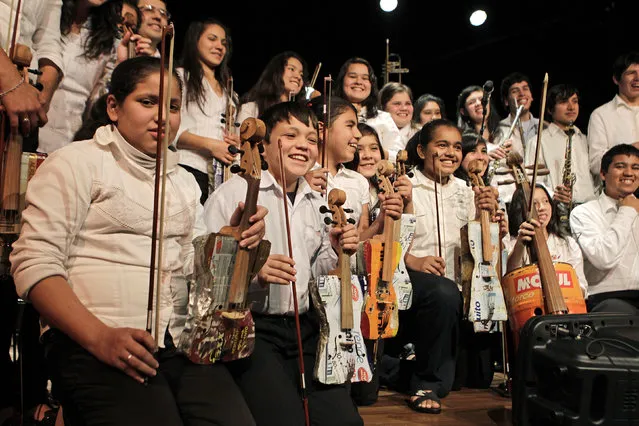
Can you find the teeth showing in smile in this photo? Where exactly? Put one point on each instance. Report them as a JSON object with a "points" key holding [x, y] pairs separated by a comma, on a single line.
{"points": [[298, 157]]}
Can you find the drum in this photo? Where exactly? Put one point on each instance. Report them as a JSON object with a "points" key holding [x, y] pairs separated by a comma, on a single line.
{"points": [[524, 296]]}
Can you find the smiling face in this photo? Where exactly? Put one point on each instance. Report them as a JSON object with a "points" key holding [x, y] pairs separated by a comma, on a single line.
{"points": [[622, 177], [211, 46], [629, 83], [299, 150], [430, 112], [400, 108], [543, 206], [521, 93], [137, 116], [343, 135], [446, 146], [479, 153], [369, 155], [357, 83], [153, 18], [565, 112], [473, 108], [293, 77]]}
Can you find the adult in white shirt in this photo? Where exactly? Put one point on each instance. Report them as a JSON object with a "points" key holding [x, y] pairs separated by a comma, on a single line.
{"points": [[437, 301], [617, 121], [563, 106], [89, 36], [282, 80], [274, 359], [357, 83], [202, 137], [607, 230], [39, 30], [155, 15], [397, 100], [83, 261], [515, 91]]}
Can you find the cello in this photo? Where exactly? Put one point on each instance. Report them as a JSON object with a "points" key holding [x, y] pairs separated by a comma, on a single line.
{"points": [[219, 325]]}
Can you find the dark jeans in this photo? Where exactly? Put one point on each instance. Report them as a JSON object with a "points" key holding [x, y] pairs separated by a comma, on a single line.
{"points": [[270, 378], [202, 180], [182, 393]]}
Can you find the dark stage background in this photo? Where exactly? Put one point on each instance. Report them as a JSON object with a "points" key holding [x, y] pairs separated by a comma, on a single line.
{"points": [[575, 41]]}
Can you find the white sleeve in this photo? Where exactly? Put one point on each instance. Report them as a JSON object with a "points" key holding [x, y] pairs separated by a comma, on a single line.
{"points": [[597, 141], [390, 137], [576, 259], [248, 110], [603, 248], [220, 205], [199, 228], [47, 42], [58, 199]]}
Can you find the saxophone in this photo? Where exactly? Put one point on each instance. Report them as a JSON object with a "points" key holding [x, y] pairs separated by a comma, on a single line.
{"points": [[568, 179]]}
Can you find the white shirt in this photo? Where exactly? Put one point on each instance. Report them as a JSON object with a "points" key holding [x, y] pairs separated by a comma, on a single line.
{"points": [[207, 123], [552, 153], [561, 250], [311, 245], [456, 208], [356, 188], [530, 132], [70, 100], [88, 219], [609, 239], [248, 110], [386, 130], [39, 28], [611, 124], [408, 132]]}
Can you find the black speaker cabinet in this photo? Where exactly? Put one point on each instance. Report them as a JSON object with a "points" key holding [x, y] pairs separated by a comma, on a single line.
{"points": [[577, 370]]}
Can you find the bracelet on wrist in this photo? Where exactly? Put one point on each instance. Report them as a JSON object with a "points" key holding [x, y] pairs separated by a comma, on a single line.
{"points": [[6, 92]]}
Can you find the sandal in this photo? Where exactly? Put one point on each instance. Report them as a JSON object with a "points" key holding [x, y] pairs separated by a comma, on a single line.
{"points": [[423, 396]]}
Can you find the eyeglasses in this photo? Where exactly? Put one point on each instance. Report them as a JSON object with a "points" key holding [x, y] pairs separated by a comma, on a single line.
{"points": [[149, 8]]}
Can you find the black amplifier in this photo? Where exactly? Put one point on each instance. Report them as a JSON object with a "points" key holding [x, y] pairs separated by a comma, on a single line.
{"points": [[577, 370]]}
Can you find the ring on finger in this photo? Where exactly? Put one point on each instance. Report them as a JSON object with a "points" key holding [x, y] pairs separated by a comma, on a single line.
{"points": [[128, 358]]}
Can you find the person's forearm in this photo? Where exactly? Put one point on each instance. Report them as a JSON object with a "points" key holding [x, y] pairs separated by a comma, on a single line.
{"points": [[196, 143], [60, 307], [49, 79], [9, 75]]}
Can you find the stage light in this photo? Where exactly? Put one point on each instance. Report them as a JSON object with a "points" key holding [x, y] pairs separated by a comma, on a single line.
{"points": [[388, 5], [478, 17]]}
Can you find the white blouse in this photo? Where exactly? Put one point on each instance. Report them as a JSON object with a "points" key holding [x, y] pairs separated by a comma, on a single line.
{"points": [[386, 130], [89, 220]]}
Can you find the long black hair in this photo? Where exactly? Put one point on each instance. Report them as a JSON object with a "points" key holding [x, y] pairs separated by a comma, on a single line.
{"points": [[269, 87], [469, 144], [518, 213], [371, 101], [365, 130], [423, 137], [103, 26], [193, 72], [463, 120]]}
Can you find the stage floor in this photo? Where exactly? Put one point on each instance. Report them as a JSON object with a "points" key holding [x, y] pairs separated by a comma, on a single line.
{"points": [[467, 407]]}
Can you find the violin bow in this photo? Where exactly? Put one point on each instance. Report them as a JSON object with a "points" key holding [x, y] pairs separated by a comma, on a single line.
{"points": [[159, 187], [439, 237], [298, 328], [539, 130]]}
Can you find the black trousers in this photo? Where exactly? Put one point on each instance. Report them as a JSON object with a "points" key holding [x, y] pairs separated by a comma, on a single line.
{"points": [[432, 324], [366, 393], [182, 393], [474, 367], [270, 377], [625, 302], [202, 180]]}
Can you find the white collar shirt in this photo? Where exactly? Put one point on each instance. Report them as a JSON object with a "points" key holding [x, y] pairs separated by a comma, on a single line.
{"points": [[311, 246], [609, 239], [553, 152], [356, 188], [456, 207], [387, 131]]}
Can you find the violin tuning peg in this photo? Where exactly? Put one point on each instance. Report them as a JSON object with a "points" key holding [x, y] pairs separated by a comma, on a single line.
{"points": [[260, 148], [410, 174], [235, 150], [324, 209], [351, 221], [38, 86], [264, 165], [348, 210], [235, 168], [236, 124], [223, 121], [328, 221], [34, 71]]}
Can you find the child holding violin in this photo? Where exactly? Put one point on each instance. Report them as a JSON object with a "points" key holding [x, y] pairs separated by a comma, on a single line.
{"points": [[443, 205], [274, 361], [205, 70], [83, 260]]}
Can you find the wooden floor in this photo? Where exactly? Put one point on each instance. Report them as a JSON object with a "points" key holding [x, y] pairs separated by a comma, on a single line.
{"points": [[462, 408]]}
